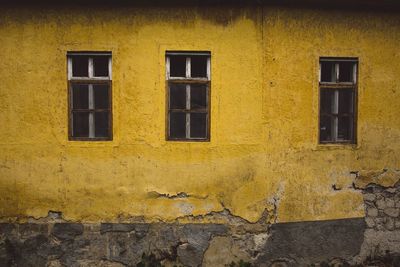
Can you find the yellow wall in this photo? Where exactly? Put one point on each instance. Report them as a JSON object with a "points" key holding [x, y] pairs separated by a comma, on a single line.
{"points": [[264, 148]]}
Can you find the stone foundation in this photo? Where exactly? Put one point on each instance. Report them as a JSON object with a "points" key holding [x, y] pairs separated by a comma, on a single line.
{"points": [[373, 241]]}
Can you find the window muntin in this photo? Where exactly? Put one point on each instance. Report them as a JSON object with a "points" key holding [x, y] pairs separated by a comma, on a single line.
{"points": [[188, 98], [89, 79], [338, 91]]}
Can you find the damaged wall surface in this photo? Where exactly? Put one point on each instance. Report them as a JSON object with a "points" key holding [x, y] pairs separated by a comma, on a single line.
{"points": [[373, 241], [262, 177]]}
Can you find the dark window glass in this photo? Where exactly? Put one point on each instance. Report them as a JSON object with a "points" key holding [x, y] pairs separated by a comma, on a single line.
{"points": [[346, 101], [199, 66], [198, 125], [328, 71], [80, 66], [326, 128], [80, 124], [80, 96], [346, 72], [344, 128], [327, 100], [101, 122], [101, 96], [177, 127], [100, 64], [177, 66], [177, 96], [198, 96]]}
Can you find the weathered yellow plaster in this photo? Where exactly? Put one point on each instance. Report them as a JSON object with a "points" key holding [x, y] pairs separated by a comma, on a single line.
{"points": [[264, 150]]}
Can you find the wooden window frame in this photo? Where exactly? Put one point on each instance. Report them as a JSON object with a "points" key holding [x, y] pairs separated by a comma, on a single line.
{"points": [[336, 86], [188, 80], [90, 81]]}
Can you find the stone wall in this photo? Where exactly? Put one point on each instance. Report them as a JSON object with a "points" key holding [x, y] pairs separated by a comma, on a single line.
{"points": [[370, 241]]}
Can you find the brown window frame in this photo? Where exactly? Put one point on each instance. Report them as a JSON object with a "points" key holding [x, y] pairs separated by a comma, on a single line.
{"points": [[188, 80], [90, 81], [336, 86]]}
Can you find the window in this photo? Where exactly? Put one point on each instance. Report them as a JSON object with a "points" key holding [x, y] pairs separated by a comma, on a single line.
{"points": [[89, 81], [338, 92], [188, 93]]}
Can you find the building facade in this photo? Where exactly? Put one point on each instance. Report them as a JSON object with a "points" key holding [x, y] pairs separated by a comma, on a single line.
{"points": [[199, 134]]}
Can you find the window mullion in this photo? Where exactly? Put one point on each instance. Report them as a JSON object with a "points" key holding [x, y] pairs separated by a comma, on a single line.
{"points": [[336, 117], [337, 72], [188, 108], [91, 114], [188, 67], [91, 68]]}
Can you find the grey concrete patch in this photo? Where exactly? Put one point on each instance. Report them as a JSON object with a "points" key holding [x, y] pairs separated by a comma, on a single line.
{"points": [[305, 243]]}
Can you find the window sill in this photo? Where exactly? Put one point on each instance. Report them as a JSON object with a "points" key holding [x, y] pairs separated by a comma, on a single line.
{"points": [[336, 146]]}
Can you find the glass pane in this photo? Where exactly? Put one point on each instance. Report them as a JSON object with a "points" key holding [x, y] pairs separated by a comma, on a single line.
{"points": [[346, 72], [80, 66], [345, 128], [346, 101], [80, 96], [101, 96], [327, 100], [101, 124], [198, 96], [100, 64], [177, 66], [80, 124], [199, 66], [325, 133], [198, 125], [177, 127], [177, 96], [327, 71]]}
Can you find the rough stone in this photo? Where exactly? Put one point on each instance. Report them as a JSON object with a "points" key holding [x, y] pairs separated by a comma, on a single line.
{"points": [[392, 212], [370, 222], [390, 202], [369, 197], [372, 212], [389, 225], [381, 204], [67, 230]]}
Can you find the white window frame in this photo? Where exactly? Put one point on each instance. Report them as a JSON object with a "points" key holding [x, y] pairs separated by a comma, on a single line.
{"points": [[90, 79], [337, 85], [190, 80]]}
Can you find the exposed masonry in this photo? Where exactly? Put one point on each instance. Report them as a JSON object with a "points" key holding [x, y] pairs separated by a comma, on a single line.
{"points": [[370, 241]]}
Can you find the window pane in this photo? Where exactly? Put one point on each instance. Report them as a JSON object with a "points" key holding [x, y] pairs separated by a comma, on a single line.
{"points": [[100, 64], [346, 101], [326, 123], [177, 127], [346, 72], [199, 66], [345, 126], [177, 96], [177, 67], [80, 65], [327, 100], [101, 124], [328, 71], [80, 124], [101, 96], [80, 96], [198, 125], [198, 96]]}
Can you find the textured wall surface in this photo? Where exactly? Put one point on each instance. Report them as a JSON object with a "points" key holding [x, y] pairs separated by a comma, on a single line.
{"points": [[373, 241], [263, 157]]}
